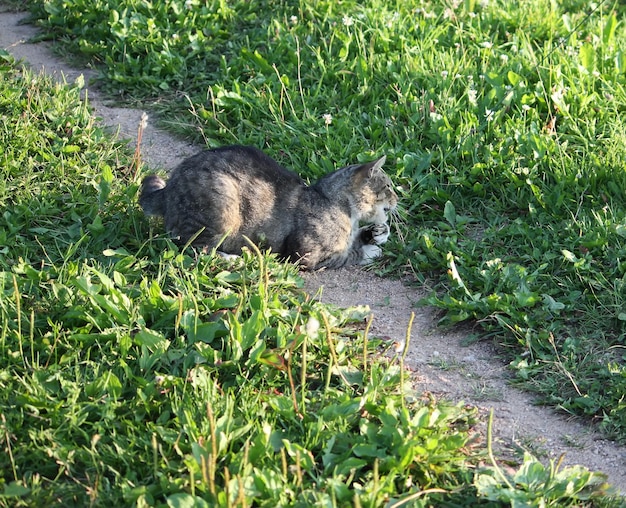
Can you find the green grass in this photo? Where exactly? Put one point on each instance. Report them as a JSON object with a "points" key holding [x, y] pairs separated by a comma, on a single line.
{"points": [[135, 373], [503, 124]]}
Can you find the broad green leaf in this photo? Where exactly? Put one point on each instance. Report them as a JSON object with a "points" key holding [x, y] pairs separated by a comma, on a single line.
{"points": [[587, 55], [525, 297], [449, 212], [14, 489], [184, 500], [569, 256], [552, 304], [349, 465], [608, 32], [71, 149], [258, 59], [152, 340], [514, 78], [251, 329], [273, 358], [108, 383]]}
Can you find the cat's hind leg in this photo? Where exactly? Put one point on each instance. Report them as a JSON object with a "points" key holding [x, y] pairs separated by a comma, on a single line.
{"points": [[370, 253]]}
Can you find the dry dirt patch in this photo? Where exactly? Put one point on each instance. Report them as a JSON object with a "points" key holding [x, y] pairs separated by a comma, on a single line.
{"points": [[440, 363]]}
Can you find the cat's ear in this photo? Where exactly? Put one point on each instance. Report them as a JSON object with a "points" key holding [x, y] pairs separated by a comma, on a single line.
{"points": [[366, 170]]}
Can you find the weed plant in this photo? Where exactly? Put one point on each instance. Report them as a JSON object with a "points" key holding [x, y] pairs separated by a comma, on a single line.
{"points": [[134, 373]]}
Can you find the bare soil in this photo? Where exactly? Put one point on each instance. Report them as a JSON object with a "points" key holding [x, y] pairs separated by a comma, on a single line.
{"points": [[440, 363]]}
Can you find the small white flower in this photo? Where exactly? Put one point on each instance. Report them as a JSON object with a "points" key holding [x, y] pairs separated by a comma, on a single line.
{"points": [[444, 74], [489, 115], [293, 20], [143, 124], [188, 4], [436, 117], [525, 107], [449, 14], [426, 14], [312, 327], [347, 20], [472, 96], [486, 44], [328, 118], [504, 58]]}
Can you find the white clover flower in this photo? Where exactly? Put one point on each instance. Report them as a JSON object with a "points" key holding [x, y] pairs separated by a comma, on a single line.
{"points": [[188, 4], [293, 20], [504, 58], [526, 107], [444, 74], [449, 14], [489, 114], [486, 44], [347, 20], [328, 118], [312, 327], [424, 13], [472, 96]]}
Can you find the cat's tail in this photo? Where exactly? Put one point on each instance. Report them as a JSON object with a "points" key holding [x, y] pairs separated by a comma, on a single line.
{"points": [[152, 198]]}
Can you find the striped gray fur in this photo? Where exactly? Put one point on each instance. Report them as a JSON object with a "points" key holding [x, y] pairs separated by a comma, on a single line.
{"points": [[225, 194]]}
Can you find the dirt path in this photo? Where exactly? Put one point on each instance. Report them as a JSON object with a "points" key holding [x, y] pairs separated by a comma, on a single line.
{"points": [[441, 364]]}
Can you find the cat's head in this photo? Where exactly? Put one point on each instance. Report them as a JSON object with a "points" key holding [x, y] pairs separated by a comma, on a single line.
{"points": [[374, 191]]}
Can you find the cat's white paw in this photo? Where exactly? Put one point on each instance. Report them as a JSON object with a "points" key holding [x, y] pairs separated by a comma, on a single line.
{"points": [[380, 233], [229, 257], [370, 252]]}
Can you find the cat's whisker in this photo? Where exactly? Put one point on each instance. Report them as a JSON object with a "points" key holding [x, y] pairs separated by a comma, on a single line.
{"points": [[396, 221]]}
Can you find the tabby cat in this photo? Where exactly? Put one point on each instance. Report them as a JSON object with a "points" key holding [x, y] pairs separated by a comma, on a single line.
{"points": [[219, 196]]}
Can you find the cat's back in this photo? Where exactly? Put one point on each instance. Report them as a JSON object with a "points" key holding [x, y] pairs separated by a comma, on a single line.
{"points": [[245, 165]]}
